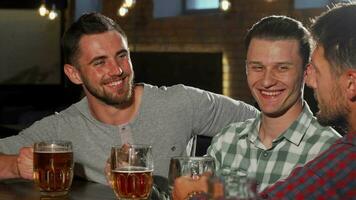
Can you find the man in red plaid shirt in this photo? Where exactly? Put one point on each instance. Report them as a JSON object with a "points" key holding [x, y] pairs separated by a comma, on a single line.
{"points": [[332, 75]]}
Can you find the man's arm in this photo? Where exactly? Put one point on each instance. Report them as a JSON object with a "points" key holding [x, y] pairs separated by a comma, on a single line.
{"points": [[212, 112], [8, 166], [17, 166]]}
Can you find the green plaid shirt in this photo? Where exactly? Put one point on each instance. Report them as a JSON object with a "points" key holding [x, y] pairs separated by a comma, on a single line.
{"points": [[238, 148]]}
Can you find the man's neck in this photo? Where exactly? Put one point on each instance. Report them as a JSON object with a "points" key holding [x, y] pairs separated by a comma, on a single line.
{"points": [[117, 115], [272, 127]]}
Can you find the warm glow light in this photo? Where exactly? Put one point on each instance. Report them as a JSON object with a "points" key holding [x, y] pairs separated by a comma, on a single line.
{"points": [[225, 5], [43, 10], [122, 11], [226, 84], [128, 3], [53, 13]]}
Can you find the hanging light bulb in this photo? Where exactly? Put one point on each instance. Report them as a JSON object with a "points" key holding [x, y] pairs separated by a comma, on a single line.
{"points": [[128, 3], [225, 5], [43, 10], [53, 13], [122, 11]]}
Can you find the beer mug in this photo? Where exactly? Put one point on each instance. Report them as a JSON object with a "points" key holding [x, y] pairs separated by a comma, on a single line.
{"points": [[230, 184], [53, 167], [189, 166], [131, 171]]}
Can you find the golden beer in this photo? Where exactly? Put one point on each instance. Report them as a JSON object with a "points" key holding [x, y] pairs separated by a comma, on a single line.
{"points": [[52, 169], [132, 182]]}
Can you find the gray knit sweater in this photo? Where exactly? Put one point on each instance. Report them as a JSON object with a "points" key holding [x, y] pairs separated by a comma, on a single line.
{"points": [[168, 117]]}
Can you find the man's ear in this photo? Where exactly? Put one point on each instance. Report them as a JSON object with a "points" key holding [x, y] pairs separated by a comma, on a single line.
{"points": [[309, 76], [351, 85], [73, 74]]}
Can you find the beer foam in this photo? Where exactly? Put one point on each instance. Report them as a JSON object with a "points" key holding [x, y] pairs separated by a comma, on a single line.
{"points": [[53, 151], [132, 169]]}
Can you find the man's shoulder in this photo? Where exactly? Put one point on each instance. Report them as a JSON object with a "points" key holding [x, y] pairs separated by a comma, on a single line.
{"points": [[173, 89], [76, 110], [178, 93], [80, 107]]}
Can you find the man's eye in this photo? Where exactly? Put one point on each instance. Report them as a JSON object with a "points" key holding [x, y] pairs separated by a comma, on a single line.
{"points": [[122, 55], [98, 62], [256, 68], [283, 68]]}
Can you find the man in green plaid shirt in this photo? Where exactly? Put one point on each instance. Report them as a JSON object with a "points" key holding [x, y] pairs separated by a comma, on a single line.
{"points": [[286, 133]]}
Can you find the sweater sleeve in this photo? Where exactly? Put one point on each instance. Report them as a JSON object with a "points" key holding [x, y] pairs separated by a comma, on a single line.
{"points": [[212, 112], [43, 129]]}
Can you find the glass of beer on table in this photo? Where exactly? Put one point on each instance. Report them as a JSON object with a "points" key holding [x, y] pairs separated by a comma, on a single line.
{"points": [[53, 167], [131, 171]]}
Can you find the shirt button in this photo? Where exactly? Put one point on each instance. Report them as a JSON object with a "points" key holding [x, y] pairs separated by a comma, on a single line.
{"points": [[173, 148], [265, 154]]}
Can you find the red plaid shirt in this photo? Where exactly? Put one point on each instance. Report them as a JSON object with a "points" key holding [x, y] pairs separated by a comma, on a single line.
{"points": [[331, 175]]}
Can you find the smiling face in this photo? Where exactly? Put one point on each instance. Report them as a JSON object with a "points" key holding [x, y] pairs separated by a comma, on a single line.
{"points": [[332, 102], [275, 75], [104, 68]]}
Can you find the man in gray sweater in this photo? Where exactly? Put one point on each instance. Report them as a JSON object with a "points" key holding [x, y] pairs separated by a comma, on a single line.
{"points": [[116, 111]]}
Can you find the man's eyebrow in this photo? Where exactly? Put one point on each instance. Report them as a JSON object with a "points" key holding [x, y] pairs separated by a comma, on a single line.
{"points": [[277, 63], [122, 51], [253, 62]]}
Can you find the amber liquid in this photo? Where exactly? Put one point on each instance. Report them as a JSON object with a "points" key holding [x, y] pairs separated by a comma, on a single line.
{"points": [[132, 182], [53, 171]]}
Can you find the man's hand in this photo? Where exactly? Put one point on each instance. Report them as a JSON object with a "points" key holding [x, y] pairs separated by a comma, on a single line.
{"points": [[25, 163], [184, 185], [108, 175]]}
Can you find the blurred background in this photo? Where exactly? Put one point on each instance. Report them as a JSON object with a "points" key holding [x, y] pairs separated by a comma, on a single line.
{"points": [[196, 42]]}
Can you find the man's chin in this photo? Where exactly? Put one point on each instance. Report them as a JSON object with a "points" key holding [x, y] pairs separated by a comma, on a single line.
{"points": [[119, 101], [338, 121]]}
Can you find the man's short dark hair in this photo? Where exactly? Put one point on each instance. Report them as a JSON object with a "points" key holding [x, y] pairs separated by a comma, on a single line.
{"points": [[335, 31], [87, 24], [277, 27]]}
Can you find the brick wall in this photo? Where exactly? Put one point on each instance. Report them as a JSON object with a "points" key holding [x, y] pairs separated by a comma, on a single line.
{"points": [[219, 32]]}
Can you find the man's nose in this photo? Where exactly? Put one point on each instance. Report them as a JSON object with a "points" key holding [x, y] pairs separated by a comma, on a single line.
{"points": [[268, 78], [116, 69]]}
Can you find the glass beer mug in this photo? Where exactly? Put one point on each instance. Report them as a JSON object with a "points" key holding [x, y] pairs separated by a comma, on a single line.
{"points": [[229, 184], [131, 171], [192, 167], [53, 167]]}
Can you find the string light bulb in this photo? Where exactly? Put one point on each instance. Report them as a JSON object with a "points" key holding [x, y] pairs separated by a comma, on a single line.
{"points": [[122, 11], [53, 13], [128, 3], [43, 11], [225, 5]]}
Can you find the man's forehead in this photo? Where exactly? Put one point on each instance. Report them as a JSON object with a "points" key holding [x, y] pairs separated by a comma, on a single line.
{"points": [[108, 38]]}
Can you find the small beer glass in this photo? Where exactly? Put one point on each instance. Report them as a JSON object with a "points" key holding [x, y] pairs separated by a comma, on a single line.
{"points": [[230, 184], [189, 166], [53, 167], [131, 171]]}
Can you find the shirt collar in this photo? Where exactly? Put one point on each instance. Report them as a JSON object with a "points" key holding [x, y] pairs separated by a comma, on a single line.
{"points": [[293, 134], [251, 129], [298, 128]]}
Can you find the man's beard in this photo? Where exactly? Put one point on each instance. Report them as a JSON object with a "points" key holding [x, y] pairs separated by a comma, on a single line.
{"points": [[334, 113], [111, 98]]}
